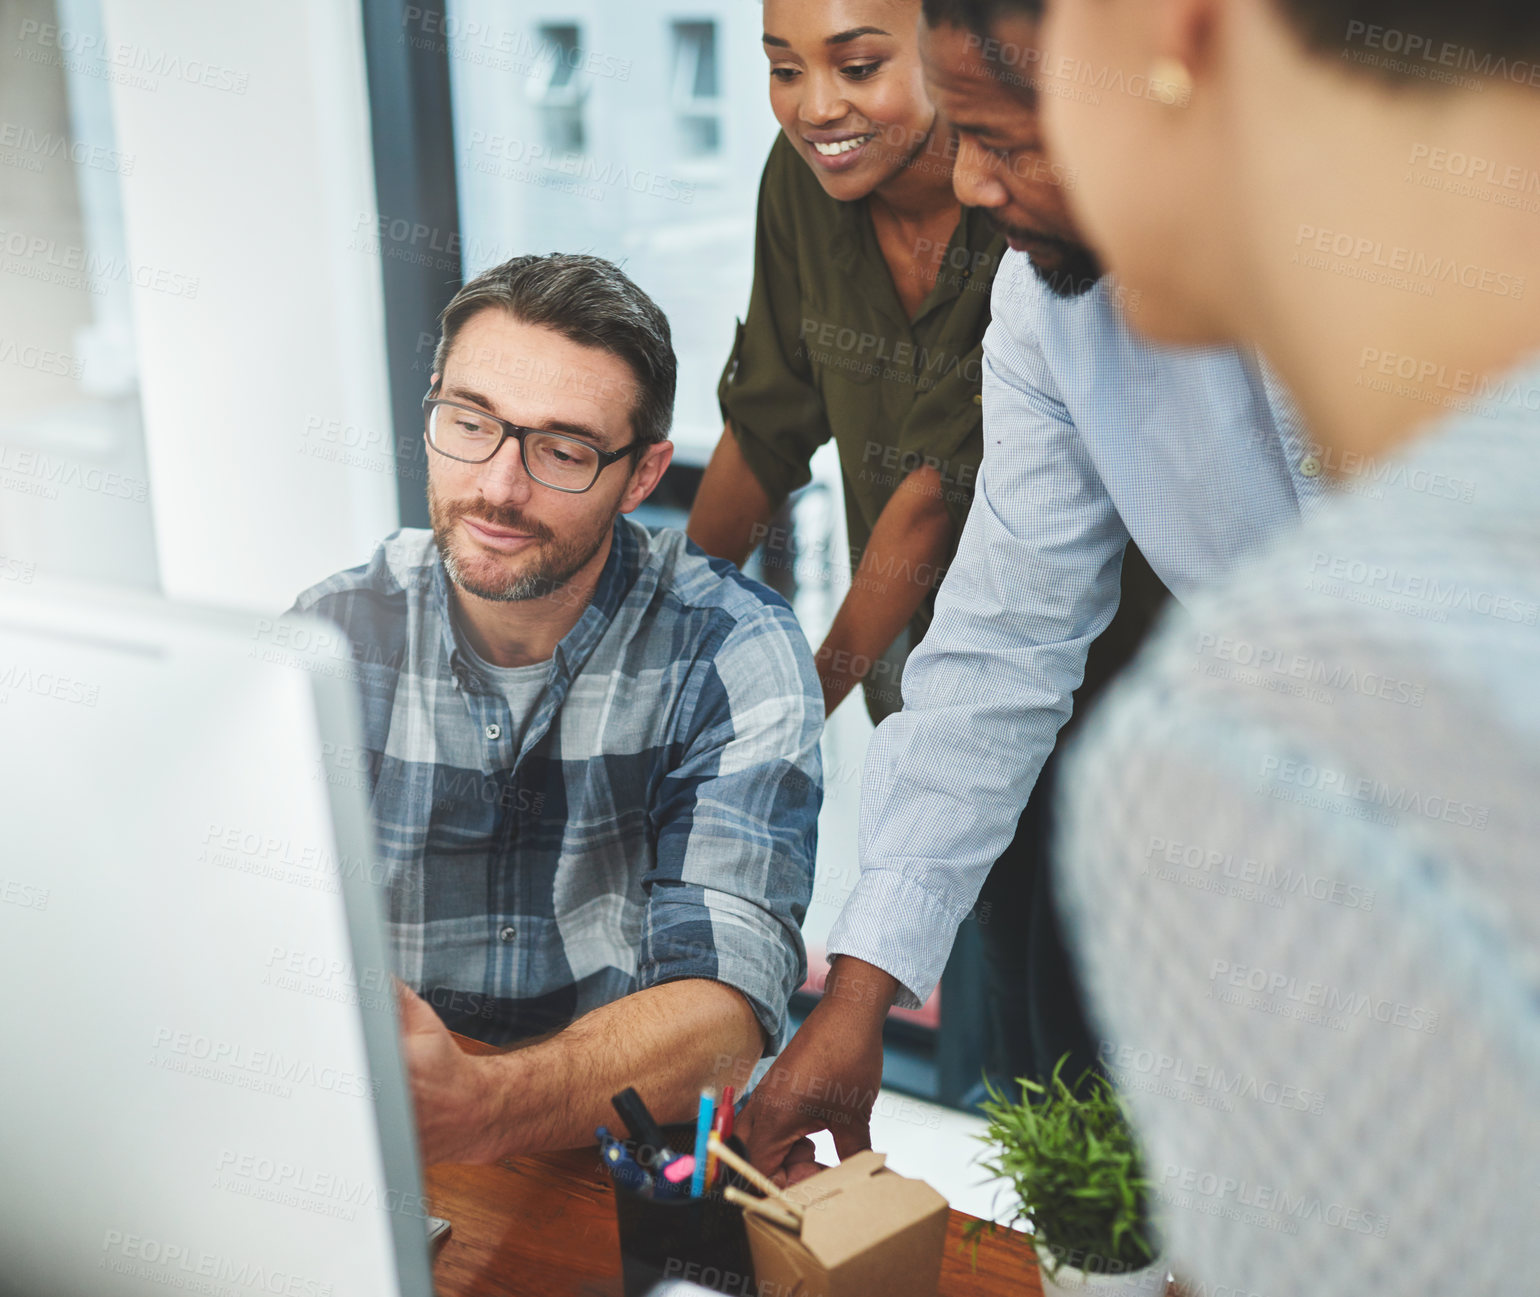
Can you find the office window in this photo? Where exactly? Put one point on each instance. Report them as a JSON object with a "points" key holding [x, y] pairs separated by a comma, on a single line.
{"points": [[558, 89], [697, 91], [681, 221], [74, 475]]}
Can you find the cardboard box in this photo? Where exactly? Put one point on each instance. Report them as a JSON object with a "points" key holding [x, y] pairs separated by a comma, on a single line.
{"points": [[865, 1231]]}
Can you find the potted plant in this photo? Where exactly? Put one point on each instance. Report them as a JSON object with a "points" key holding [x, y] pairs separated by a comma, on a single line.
{"points": [[1071, 1159]]}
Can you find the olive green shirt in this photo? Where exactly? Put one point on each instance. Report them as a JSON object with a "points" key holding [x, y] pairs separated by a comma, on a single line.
{"points": [[828, 351]]}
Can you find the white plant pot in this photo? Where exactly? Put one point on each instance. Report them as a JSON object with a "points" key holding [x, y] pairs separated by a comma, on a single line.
{"points": [[1069, 1282]]}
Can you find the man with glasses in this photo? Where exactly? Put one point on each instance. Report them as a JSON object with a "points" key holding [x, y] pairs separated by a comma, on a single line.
{"points": [[592, 751]]}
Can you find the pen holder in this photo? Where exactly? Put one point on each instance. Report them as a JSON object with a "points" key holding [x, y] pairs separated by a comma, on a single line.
{"points": [[700, 1240]]}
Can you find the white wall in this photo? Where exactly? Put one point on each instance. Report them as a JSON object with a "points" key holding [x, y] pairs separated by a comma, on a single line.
{"points": [[257, 306]]}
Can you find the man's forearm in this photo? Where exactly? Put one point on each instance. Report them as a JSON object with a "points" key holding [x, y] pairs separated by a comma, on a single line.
{"points": [[668, 1041]]}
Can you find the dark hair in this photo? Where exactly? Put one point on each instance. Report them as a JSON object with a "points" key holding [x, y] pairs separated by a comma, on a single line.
{"points": [[1475, 33], [590, 301], [977, 16]]}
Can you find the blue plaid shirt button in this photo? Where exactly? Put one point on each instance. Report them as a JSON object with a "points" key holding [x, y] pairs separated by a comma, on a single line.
{"points": [[507, 933], [1310, 466], [494, 731]]}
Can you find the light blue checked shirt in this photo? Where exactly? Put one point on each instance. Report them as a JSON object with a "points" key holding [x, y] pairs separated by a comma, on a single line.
{"points": [[655, 817], [1091, 436], [1299, 842]]}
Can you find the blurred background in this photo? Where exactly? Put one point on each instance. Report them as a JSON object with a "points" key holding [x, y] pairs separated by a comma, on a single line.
{"points": [[226, 233]]}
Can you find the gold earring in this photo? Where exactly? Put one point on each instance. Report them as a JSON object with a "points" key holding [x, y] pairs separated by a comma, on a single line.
{"points": [[1170, 82]]}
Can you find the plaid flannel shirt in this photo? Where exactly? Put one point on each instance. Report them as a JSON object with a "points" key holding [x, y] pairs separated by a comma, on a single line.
{"points": [[658, 821]]}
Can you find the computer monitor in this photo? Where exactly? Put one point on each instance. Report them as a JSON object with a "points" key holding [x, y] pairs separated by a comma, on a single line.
{"points": [[201, 1085]]}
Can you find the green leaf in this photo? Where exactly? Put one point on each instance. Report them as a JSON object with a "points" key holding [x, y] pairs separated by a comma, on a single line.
{"points": [[1071, 1159]]}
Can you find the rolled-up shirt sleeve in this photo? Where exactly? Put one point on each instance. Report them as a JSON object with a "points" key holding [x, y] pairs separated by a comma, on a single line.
{"points": [[1035, 581], [767, 391], [736, 820]]}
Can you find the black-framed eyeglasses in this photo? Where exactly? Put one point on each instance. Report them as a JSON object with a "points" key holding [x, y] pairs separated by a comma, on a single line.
{"points": [[553, 459]]}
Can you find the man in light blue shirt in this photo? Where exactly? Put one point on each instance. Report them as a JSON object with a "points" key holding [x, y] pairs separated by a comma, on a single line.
{"points": [[1091, 438]]}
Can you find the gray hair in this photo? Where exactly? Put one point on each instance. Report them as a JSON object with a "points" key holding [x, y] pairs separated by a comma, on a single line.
{"points": [[591, 302]]}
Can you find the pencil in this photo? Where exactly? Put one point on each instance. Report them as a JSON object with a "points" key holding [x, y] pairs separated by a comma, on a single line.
{"points": [[765, 1207], [761, 1182]]}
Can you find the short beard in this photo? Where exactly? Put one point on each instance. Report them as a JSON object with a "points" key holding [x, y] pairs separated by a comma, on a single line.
{"points": [[554, 564], [1075, 276], [1078, 271]]}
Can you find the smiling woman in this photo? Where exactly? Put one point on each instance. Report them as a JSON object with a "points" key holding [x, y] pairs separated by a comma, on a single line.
{"points": [[850, 93], [869, 306]]}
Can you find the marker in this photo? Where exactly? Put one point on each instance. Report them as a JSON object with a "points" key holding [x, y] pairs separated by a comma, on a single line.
{"points": [[676, 1179], [653, 1149], [702, 1134]]}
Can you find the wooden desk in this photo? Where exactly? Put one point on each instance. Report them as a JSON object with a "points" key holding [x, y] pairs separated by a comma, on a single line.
{"points": [[544, 1226]]}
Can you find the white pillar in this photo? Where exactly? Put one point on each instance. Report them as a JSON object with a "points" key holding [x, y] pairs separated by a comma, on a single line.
{"points": [[258, 309]]}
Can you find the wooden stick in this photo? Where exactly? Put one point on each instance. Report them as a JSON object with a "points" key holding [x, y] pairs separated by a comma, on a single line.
{"points": [[763, 1183], [766, 1207]]}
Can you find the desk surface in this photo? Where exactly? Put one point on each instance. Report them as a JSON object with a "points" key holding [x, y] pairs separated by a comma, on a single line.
{"points": [[544, 1226]]}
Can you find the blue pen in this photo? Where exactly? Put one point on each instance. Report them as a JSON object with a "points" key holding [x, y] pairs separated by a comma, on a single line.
{"points": [[621, 1165], [708, 1105]]}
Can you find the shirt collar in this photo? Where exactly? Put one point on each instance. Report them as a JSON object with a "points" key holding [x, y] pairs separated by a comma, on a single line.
{"points": [[845, 242], [620, 572], [973, 234]]}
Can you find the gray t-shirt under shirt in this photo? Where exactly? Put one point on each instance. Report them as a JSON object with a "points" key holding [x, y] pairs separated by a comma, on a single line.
{"points": [[521, 686]]}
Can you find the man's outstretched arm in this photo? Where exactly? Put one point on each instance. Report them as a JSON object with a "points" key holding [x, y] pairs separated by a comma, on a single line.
{"points": [[1034, 582], [668, 1041]]}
